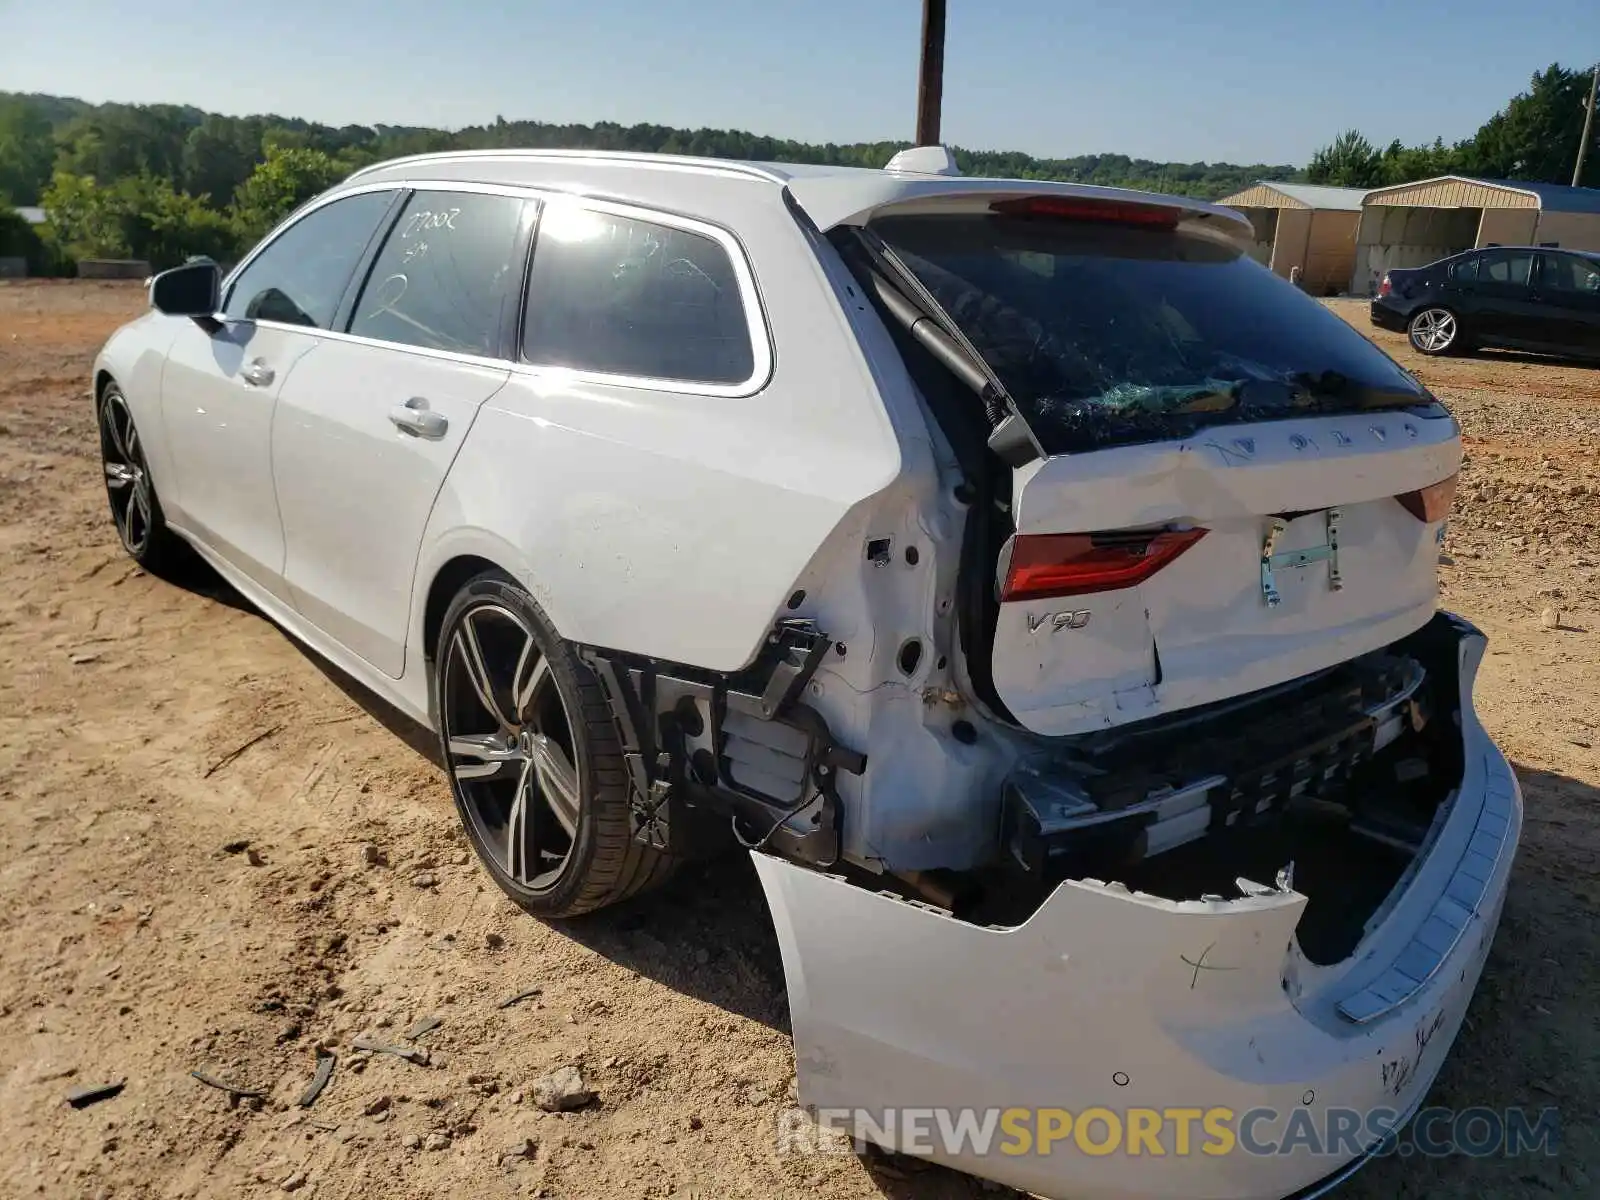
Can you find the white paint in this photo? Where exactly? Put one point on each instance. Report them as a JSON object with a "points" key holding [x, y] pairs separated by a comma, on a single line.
{"points": [[1203, 616], [1202, 1003], [677, 520], [218, 430], [355, 491]]}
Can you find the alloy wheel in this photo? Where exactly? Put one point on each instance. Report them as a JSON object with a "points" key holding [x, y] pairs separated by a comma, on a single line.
{"points": [[127, 477], [510, 746], [1433, 330]]}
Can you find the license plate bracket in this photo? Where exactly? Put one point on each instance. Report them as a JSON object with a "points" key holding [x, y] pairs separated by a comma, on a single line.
{"points": [[1273, 560]]}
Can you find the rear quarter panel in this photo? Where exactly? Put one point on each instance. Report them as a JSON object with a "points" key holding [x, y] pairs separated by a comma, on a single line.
{"points": [[669, 523]]}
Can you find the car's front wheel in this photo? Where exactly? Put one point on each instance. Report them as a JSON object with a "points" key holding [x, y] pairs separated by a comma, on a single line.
{"points": [[1435, 331], [135, 507], [534, 759]]}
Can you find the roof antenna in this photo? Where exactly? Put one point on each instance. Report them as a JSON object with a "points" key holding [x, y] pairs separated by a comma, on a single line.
{"points": [[924, 160]]}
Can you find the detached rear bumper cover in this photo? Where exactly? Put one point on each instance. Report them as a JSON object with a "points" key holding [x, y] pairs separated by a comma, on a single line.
{"points": [[1115, 999]]}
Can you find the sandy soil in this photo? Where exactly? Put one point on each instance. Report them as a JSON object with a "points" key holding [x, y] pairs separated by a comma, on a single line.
{"points": [[169, 901]]}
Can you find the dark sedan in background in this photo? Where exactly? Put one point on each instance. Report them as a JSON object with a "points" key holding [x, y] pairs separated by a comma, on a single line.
{"points": [[1513, 297]]}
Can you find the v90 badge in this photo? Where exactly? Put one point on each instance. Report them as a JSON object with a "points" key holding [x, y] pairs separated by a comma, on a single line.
{"points": [[1057, 621]]}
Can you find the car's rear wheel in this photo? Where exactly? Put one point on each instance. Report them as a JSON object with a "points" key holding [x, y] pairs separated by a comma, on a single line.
{"points": [[1435, 331], [534, 759], [135, 507]]}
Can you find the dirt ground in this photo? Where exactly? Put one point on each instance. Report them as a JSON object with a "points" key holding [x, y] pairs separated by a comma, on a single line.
{"points": [[217, 854]]}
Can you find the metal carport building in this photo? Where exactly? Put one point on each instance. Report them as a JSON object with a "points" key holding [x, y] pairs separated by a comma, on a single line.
{"points": [[1413, 224], [1306, 226]]}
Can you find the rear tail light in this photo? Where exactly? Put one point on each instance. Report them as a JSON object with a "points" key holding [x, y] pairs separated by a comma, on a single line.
{"points": [[1384, 287], [1431, 503], [1075, 564], [1071, 208]]}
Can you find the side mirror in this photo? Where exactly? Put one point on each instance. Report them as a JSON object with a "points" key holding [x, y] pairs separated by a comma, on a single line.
{"points": [[192, 290]]}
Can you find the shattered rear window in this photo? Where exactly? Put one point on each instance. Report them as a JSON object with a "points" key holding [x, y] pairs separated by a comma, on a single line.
{"points": [[1109, 335]]}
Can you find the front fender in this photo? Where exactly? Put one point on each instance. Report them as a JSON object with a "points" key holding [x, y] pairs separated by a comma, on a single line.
{"points": [[136, 356]]}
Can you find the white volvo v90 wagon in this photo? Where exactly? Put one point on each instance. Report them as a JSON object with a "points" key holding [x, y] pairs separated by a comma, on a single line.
{"points": [[1040, 589]]}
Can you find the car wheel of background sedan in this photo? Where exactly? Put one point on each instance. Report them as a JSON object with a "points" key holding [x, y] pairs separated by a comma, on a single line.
{"points": [[535, 763], [1435, 331], [135, 508]]}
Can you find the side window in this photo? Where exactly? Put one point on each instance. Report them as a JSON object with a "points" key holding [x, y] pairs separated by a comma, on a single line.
{"points": [[625, 297], [449, 276], [1464, 270], [1569, 273], [300, 278], [1511, 267]]}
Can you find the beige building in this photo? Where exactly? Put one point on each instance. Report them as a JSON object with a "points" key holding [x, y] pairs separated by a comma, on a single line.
{"points": [[1305, 226], [1413, 224]]}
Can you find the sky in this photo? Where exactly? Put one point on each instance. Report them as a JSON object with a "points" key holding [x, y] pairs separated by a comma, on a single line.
{"points": [[1243, 81]]}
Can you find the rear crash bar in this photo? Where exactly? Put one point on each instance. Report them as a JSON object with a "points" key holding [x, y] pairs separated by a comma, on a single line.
{"points": [[1309, 744]]}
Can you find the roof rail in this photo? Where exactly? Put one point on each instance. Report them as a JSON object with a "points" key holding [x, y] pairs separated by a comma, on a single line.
{"points": [[642, 158]]}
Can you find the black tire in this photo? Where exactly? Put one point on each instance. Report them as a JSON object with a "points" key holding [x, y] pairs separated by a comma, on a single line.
{"points": [[131, 492], [513, 757], [1435, 330]]}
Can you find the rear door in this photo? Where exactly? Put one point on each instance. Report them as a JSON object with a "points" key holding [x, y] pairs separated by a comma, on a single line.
{"points": [[1505, 309], [221, 387], [1231, 487], [1453, 283], [1569, 289], [367, 427]]}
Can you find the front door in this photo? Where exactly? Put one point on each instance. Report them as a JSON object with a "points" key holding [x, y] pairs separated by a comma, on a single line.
{"points": [[217, 398], [1504, 307], [367, 427], [221, 387], [1569, 288]]}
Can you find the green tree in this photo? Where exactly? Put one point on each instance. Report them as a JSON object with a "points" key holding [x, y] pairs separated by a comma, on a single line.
{"points": [[218, 155], [118, 140], [171, 226], [27, 150], [85, 218], [140, 216], [1406, 164], [1350, 161], [1536, 135], [286, 179]]}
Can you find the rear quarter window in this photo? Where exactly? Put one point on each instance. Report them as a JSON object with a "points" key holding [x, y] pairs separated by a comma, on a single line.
{"points": [[618, 295]]}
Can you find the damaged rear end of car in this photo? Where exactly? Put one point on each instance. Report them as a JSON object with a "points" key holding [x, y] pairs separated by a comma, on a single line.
{"points": [[1190, 809], [1109, 752]]}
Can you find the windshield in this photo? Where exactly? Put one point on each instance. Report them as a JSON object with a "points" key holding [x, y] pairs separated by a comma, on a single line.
{"points": [[1108, 335]]}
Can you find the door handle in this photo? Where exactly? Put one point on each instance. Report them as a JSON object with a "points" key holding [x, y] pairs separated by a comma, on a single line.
{"points": [[416, 418], [256, 373]]}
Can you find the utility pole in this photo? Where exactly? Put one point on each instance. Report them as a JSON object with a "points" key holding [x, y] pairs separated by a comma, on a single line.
{"points": [[1588, 129], [930, 83]]}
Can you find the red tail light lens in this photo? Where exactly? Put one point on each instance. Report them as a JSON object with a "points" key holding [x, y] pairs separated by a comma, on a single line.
{"points": [[1075, 564], [1384, 287], [1119, 212], [1431, 503]]}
